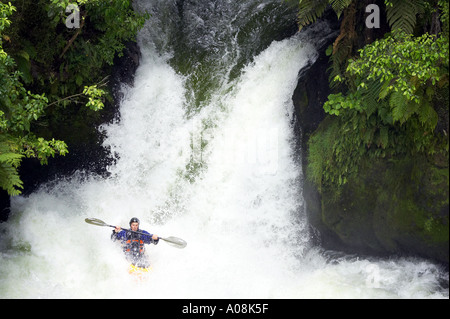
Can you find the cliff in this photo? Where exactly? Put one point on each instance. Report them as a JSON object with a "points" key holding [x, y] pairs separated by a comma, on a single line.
{"points": [[398, 206]]}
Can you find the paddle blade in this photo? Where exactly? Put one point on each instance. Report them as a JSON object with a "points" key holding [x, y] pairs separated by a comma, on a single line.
{"points": [[95, 221], [175, 242]]}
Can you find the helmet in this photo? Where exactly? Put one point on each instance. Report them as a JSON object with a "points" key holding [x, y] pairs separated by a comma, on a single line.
{"points": [[134, 220]]}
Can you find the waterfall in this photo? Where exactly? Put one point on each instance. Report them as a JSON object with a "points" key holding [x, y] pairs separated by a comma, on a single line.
{"points": [[203, 149]]}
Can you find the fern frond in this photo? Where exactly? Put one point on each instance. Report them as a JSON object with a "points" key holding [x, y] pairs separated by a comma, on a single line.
{"points": [[10, 180], [339, 6], [371, 96], [401, 14], [344, 43], [12, 159], [309, 11], [427, 115], [384, 136], [9, 165], [9, 175], [398, 103]]}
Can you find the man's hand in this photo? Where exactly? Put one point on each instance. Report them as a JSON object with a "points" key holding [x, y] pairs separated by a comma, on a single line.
{"points": [[154, 237], [117, 229]]}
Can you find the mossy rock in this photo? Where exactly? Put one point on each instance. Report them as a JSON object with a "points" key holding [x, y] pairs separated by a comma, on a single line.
{"points": [[392, 207], [412, 210]]}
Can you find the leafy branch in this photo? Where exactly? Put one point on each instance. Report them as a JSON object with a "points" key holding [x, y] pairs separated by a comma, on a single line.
{"points": [[94, 93], [40, 55], [390, 109]]}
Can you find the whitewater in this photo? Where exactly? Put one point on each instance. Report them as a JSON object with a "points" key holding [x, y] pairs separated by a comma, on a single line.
{"points": [[203, 148]]}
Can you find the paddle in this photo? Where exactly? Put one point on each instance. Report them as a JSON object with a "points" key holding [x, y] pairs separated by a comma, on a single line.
{"points": [[173, 241]]}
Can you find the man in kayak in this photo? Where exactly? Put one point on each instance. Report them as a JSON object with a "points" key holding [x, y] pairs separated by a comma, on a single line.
{"points": [[133, 242]]}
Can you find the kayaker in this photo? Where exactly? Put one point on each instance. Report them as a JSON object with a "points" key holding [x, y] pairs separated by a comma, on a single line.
{"points": [[133, 243]]}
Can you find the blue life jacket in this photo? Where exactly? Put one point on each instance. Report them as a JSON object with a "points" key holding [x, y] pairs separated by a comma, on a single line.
{"points": [[133, 245]]}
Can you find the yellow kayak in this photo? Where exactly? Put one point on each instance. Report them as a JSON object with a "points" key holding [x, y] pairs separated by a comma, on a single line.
{"points": [[139, 272]]}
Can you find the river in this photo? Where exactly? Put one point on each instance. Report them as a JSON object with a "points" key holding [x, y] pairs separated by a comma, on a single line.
{"points": [[203, 149]]}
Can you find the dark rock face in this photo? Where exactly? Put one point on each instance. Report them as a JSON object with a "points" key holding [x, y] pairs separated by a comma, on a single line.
{"points": [[398, 207], [125, 67], [4, 205], [309, 96]]}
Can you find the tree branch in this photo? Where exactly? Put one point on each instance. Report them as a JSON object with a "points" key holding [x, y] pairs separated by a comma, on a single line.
{"points": [[69, 44], [102, 83], [66, 98]]}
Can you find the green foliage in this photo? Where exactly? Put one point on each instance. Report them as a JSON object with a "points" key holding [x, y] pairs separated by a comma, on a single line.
{"points": [[38, 53], [405, 72], [9, 163], [390, 107], [401, 14], [18, 109], [5, 11], [444, 9], [94, 95], [339, 6], [309, 11], [320, 156]]}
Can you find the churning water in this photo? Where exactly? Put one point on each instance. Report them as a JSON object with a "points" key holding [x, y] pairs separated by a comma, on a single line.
{"points": [[203, 150]]}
